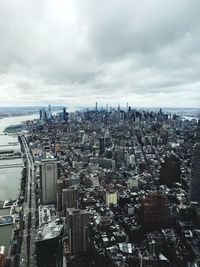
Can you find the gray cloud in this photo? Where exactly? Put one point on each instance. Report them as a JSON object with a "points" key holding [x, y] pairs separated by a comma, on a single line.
{"points": [[78, 51]]}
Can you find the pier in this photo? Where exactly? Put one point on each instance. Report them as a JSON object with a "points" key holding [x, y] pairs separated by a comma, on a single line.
{"points": [[9, 145], [11, 166]]}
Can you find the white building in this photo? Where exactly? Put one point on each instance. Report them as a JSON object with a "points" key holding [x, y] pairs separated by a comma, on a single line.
{"points": [[111, 198]]}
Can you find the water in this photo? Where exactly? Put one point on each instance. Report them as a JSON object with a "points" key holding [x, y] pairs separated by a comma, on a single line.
{"points": [[5, 236], [5, 211], [9, 177]]}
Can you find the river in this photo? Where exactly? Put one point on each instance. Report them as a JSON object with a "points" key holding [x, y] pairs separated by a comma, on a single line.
{"points": [[9, 177]]}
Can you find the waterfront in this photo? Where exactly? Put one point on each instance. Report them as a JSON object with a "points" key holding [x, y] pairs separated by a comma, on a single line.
{"points": [[9, 177], [5, 211]]}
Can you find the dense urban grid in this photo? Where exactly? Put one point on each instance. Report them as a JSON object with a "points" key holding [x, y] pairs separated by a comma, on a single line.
{"points": [[109, 187]]}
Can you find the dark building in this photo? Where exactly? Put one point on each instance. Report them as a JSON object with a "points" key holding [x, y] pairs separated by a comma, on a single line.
{"points": [[77, 226], [194, 193], [154, 211], [59, 188], [40, 114], [170, 171], [101, 146], [65, 115], [69, 198], [43, 114], [49, 248]]}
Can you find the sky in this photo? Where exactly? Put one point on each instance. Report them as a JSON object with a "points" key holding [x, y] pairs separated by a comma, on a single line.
{"points": [[77, 52]]}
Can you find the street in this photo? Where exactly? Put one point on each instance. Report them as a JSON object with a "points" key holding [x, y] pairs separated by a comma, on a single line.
{"points": [[27, 257]]}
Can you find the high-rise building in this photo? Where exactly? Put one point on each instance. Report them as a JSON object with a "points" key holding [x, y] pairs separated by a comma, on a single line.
{"points": [[65, 115], [154, 211], [77, 226], [46, 114], [101, 146], [59, 188], [49, 246], [118, 112], [49, 176], [42, 114], [194, 192], [49, 113], [170, 171], [69, 198]]}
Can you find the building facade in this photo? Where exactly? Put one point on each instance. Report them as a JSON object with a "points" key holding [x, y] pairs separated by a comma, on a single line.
{"points": [[69, 198], [194, 192], [49, 176], [77, 226], [49, 245]]}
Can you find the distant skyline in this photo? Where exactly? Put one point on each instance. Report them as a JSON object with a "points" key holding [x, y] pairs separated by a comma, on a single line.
{"points": [[77, 52]]}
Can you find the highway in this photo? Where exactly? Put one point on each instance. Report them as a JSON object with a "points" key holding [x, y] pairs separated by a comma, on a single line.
{"points": [[27, 256]]}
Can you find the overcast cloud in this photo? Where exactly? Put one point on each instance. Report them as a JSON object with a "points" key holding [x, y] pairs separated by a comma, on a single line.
{"points": [[77, 52]]}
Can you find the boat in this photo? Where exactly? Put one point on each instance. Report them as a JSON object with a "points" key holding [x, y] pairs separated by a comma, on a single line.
{"points": [[6, 220]]}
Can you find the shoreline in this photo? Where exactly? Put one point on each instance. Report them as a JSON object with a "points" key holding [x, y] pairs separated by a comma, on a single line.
{"points": [[7, 233]]}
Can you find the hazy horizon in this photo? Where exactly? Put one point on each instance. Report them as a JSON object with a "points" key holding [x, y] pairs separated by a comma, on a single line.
{"points": [[93, 107]]}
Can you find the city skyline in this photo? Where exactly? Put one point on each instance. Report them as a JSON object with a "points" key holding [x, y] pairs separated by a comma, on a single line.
{"points": [[100, 187], [75, 53]]}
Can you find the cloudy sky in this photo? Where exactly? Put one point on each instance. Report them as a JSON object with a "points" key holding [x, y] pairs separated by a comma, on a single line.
{"points": [[77, 52]]}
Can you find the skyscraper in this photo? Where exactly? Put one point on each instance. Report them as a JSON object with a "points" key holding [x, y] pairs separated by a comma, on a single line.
{"points": [[101, 146], [194, 192], [69, 198], [59, 188], [154, 211], [49, 247], [170, 171], [77, 226], [65, 115], [49, 113], [96, 107], [49, 175], [42, 114]]}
